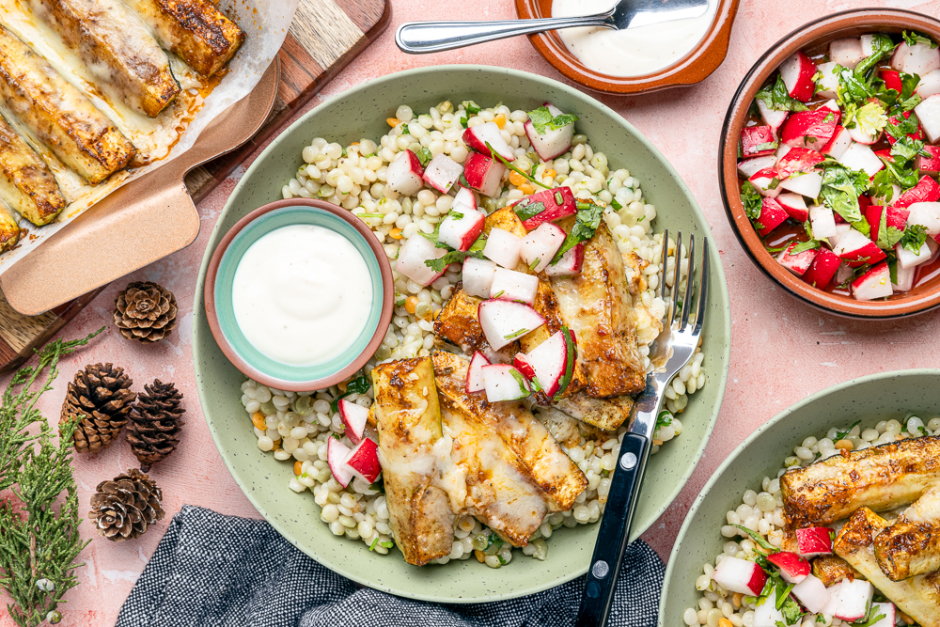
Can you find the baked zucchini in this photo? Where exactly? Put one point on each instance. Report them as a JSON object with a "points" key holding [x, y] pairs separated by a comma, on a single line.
{"points": [[911, 546], [9, 229], [26, 184]]}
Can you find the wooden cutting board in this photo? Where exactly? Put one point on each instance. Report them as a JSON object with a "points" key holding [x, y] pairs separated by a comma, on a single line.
{"points": [[324, 37]]}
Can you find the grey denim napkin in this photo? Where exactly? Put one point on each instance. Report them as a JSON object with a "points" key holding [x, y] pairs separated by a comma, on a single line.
{"points": [[212, 570]]}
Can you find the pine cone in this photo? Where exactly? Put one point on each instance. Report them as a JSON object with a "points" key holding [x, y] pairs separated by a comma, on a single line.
{"points": [[145, 312], [155, 421], [99, 398], [125, 507]]}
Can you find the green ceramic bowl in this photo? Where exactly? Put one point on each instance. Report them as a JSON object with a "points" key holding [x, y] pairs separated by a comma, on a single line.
{"points": [[869, 399], [359, 113]]}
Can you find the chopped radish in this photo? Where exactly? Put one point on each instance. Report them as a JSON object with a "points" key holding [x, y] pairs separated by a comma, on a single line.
{"points": [[355, 417], [928, 112], [363, 461], [895, 217], [910, 260], [868, 44], [737, 575], [849, 600], [771, 117], [475, 372], [503, 321], [767, 182], [772, 215], [550, 143], [876, 283], [512, 285], [336, 454], [814, 541], [840, 142], [893, 192], [551, 204], [757, 141], [797, 73], [920, 59], [903, 280], [918, 134], [861, 137], [411, 257], [892, 79], [503, 247], [841, 229], [798, 160], [477, 137], [926, 190], [767, 615], [465, 198], [793, 568], [823, 221], [799, 263], [823, 269], [832, 105], [929, 85], [856, 250], [782, 152], [522, 364], [750, 167], [888, 610], [461, 227], [404, 174], [806, 184], [483, 174], [846, 52], [926, 214], [931, 164], [442, 173], [861, 157], [812, 593], [539, 246], [503, 383], [549, 361], [828, 80], [569, 264], [810, 129], [795, 206], [478, 276]]}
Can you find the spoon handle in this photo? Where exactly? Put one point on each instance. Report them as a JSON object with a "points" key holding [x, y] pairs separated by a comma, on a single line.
{"points": [[425, 37]]}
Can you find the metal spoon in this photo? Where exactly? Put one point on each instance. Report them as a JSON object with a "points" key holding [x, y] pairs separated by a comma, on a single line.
{"points": [[424, 37]]}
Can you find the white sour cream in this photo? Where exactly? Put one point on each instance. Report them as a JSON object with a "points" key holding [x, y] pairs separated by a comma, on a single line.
{"points": [[634, 51], [302, 294]]}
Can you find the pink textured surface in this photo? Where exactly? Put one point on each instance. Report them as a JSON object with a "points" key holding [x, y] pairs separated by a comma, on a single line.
{"points": [[781, 350]]}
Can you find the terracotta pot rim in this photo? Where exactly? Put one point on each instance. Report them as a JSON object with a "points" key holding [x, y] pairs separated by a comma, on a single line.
{"points": [[817, 31]]}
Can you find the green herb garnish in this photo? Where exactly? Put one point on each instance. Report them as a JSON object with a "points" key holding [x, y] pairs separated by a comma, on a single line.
{"points": [[499, 158], [915, 236], [527, 210], [753, 201], [542, 119], [587, 219], [777, 97], [840, 435], [758, 539], [359, 385], [516, 334]]}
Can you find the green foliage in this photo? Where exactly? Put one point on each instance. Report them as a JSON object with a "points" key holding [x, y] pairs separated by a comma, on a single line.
{"points": [[542, 119], [752, 200], [778, 98], [587, 220]]}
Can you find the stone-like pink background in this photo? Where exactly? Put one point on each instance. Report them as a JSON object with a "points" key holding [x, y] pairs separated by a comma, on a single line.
{"points": [[781, 350]]}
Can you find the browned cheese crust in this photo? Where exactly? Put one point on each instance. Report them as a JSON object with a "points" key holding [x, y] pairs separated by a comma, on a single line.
{"points": [[911, 546], [26, 184]]}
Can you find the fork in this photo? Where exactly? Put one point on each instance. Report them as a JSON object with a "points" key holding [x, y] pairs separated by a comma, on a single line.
{"points": [[672, 350]]}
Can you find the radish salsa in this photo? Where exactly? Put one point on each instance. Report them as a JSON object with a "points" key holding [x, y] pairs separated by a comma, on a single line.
{"points": [[838, 164]]}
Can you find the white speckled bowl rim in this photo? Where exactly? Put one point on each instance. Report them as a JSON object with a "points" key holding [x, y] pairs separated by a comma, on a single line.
{"points": [[871, 398], [361, 112]]}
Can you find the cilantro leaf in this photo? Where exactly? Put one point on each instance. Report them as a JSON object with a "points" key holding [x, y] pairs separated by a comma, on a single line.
{"points": [[526, 210], [913, 38], [456, 256], [424, 156], [359, 385], [777, 97], [542, 119], [759, 539], [906, 148], [915, 235], [881, 47], [664, 419], [587, 220], [752, 200], [803, 246], [841, 188], [471, 107], [840, 435]]}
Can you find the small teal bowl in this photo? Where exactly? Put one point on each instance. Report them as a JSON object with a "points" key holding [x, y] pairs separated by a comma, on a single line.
{"points": [[221, 274]]}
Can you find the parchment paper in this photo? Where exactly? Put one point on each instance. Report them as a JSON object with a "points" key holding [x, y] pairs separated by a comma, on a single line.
{"points": [[265, 22]]}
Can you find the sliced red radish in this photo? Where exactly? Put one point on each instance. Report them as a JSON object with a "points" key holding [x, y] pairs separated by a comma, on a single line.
{"points": [[926, 214], [824, 267], [832, 105], [797, 73], [841, 229], [859, 136], [461, 227], [822, 221], [846, 52], [465, 198], [798, 159], [918, 134], [772, 215], [895, 217], [569, 264], [504, 383], [920, 59], [771, 117], [757, 141], [503, 321], [737, 575], [929, 85], [799, 263], [404, 174], [876, 283], [828, 80], [849, 600], [521, 362], [336, 455], [903, 280], [838, 144], [807, 184], [795, 206], [888, 610], [926, 190], [767, 182], [812, 593], [549, 360], [477, 137], [411, 257], [857, 250], [793, 568], [363, 461], [767, 615], [544, 206], [550, 143], [810, 129], [861, 157], [928, 112], [539, 246], [814, 541], [512, 285], [503, 247], [442, 173], [483, 174], [355, 417], [868, 44], [909, 260], [478, 276], [750, 167], [931, 164], [475, 372], [892, 79]]}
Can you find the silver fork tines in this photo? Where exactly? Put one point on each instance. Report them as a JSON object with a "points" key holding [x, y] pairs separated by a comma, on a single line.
{"points": [[700, 295]]}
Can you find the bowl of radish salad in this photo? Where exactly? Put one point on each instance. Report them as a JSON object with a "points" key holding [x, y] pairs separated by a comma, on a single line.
{"points": [[831, 153]]}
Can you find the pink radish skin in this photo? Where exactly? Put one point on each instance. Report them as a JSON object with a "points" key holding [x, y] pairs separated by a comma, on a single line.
{"points": [[552, 143], [849, 600], [539, 246], [737, 575], [797, 73], [516, 286], [918, 134], [521, 363], [460, 233], [812, 593], [931, 164], [477, 276], [771, 117], [757, 141], [355, 417], [767, 183], [503, 247], [798, 160], [928, 112], [504, 321], [799, 263], [750, 167], [548, 361], [846, 52], [336, 455], [838, 144], [795, 206], [475, 372], [814, 541], [926, 190], [553, 209], [442, 173], [501, 384], [477, 137], [896, 218], [772, 215], [920, 59], [823, 269], [569, 264], [411, 257], [857, 250], [404, 174], [810, 129], [363, 461], [876, 283], [483, 174], [465, 198], [793, 568]]}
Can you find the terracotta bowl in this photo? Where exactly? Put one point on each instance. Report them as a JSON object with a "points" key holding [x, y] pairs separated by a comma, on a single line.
{"points": [[847, 24], [218, 288], [689, 70]]}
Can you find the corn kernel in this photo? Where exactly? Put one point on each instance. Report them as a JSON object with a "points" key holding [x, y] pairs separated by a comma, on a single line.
{"points": [[724, 622], [436, 313], [845, 445], [657, 442], [516, 179], [393, 122], [479, 555], [342, 386], [395, 233], [500, 120], [527, 189], [410, 304], [354, 144], [259, 421], [277, 445], [907, 619], [550, 173], [737, 599], [298, 468]]}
